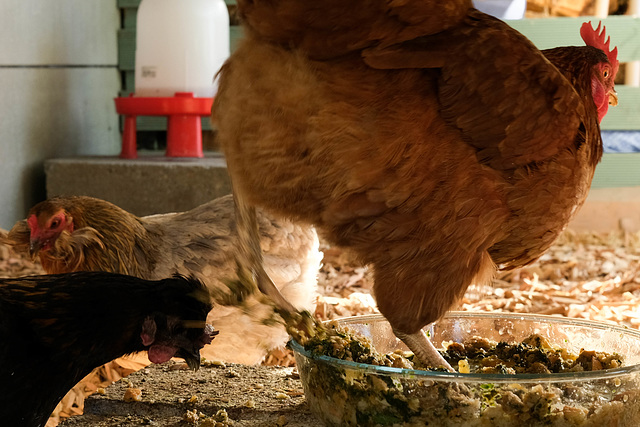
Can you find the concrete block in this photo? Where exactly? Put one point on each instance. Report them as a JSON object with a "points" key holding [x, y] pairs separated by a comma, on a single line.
{"points": [[145, 186]]}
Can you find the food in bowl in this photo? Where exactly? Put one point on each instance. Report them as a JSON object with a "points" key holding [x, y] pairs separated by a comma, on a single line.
{"points": [[597, 383]]}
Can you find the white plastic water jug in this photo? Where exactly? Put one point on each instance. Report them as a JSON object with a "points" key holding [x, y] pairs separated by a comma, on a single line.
{"points": [[180, 46]]}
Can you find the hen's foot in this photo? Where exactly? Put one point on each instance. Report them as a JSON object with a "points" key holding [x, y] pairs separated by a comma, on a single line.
{"points": [[301, 325], [424, 349]]}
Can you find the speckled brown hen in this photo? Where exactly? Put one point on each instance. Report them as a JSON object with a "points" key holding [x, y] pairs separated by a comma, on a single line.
{"points": [[433, 139], [80, 233]]}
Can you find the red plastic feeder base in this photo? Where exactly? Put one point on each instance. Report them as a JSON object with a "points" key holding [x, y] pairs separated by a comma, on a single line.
{"points": [[183, 111]]}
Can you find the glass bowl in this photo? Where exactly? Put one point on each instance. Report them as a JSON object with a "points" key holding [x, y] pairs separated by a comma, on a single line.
{"points": [[344, 393]]}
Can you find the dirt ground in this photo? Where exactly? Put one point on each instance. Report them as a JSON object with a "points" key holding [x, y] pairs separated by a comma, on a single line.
{"points": [[215, 395]]}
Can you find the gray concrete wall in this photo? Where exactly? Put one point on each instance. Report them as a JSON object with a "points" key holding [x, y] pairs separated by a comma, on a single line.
{"points": [[58, 78]]}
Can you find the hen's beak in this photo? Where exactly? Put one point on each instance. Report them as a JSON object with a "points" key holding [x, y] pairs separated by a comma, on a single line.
{"points": [[613, 98], [34, 248]]}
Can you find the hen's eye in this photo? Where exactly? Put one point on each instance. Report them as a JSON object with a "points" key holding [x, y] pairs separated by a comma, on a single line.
{"points": [[605, 73], [55, 223]]}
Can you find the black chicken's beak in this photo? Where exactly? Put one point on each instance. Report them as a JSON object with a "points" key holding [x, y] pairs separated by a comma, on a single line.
{"points": [[192, 357], [34, 248]]}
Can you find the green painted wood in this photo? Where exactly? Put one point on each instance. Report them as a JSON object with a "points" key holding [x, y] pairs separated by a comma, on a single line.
{"points": [[617, 170], [127, 49], [128, 3], [552, 32], [236, 33], [151, 123], [128, 84], [129, 17], [626, 115], [155, 123]]}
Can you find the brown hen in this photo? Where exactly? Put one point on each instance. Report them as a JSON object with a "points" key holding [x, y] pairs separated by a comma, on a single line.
{"points": [[82, 233], [433, 139]]}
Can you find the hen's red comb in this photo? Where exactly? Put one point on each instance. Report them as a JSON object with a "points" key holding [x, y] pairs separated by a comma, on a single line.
{"points": [[596, 38]]}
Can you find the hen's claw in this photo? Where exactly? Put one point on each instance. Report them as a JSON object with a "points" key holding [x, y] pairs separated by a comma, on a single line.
{"points": [[424, 349]]}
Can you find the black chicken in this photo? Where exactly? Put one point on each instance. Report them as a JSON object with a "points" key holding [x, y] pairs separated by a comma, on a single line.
{"points": [[55, 329]]}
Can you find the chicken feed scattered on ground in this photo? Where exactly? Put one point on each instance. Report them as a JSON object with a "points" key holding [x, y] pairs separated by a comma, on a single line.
{"points": [[583, 275]]}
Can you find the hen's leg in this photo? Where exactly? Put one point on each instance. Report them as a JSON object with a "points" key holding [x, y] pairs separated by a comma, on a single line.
{"points": [[250, 261], [413, 291], [252, 274], [423, 348]]}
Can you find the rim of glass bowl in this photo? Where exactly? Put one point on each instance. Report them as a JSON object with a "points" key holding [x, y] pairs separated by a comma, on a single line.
{"points": [[484, 378]]}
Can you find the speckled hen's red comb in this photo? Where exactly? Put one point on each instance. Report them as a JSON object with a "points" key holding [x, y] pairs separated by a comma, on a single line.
{"points": [[597, 39]]}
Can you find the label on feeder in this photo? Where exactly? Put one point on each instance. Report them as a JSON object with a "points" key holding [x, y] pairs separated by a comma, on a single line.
{"points": [[148, 72]]}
